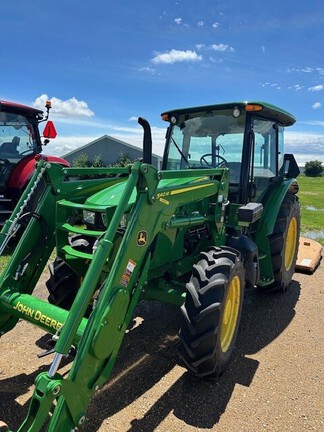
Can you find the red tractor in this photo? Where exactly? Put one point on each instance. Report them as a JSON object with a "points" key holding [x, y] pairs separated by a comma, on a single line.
{"points": [[20, 149]]}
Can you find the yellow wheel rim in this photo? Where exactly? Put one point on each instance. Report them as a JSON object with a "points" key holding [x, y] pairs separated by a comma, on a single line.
{"points": [[291, 243], [231, 313]]}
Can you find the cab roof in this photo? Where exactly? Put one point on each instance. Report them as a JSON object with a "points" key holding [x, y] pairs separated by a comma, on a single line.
{"points": [[266, 110], [19, 108]]}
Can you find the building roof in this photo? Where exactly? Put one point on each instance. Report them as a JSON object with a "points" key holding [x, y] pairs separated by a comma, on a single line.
{"points": [[117, 141]]}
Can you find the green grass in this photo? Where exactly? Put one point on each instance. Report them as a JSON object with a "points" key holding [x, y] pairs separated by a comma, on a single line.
{"points": [[311, 196], [4, 258], [4, 261]]}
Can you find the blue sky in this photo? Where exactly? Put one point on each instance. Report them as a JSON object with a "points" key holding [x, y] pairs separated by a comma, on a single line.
{"points": [[104, 63]]}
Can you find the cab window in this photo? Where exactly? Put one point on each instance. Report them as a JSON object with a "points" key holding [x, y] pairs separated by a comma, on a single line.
{"points": [[265, 162], [17, 138]]}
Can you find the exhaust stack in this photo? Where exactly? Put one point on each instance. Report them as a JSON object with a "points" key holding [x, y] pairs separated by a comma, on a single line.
{"points": [[147, 140]]}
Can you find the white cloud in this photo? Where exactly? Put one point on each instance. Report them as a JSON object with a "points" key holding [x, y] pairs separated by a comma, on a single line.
{"points": [[317, 105], [307, 69], [148, 70], [174, 56], [221, 47], [178, 21], [313, 122], [216, 47], [272, 85], [213, 60], [70, 107], [215, 25], [65, 144], [200, 23], [305, 146], [316, 88]]}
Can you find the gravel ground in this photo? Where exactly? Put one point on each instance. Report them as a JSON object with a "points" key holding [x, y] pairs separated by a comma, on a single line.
{"points": [[273, 383]]}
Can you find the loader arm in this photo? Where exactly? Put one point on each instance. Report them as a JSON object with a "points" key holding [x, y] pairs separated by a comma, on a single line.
{"points": [[35, 214], [98, 338]]}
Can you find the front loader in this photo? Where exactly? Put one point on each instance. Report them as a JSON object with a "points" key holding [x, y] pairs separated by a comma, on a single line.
{"points": [[220, 215]]}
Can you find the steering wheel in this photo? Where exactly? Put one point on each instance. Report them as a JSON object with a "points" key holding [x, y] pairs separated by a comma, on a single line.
{"points": [[26, 151], [4, 161], [204, 161]]}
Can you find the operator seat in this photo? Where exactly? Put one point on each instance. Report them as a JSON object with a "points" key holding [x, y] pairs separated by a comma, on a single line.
{"points": [[234, 185], [10, 147]]}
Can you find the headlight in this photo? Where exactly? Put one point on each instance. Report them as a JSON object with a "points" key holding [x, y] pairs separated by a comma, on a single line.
{"points": [[104, 219], [123, 221], [89, 217]]}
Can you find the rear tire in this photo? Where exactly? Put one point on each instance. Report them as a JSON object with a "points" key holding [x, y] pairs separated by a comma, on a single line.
{"points": [[284, 242], [212, 311]]}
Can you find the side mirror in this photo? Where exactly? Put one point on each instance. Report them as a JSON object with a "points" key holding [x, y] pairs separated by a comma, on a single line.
{"points": [[289, 167], [49, 130]]}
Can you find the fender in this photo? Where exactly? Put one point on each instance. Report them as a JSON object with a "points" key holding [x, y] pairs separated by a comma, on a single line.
{"points": [[24, 169], [271, 208], [274, 201]]}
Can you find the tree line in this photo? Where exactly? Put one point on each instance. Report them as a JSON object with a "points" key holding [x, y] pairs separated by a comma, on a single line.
{"points": [[314, 168], [83, 161]]}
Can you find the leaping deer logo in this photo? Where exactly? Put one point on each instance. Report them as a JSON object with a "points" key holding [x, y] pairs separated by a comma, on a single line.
{"points": [[141, 238]]}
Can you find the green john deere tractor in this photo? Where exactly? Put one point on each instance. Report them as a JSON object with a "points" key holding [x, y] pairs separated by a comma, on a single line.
{"points": [[220, 215]]}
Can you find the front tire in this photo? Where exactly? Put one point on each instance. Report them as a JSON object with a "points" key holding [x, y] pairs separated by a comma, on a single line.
{"points": [[62, 285], [284, 242], [212, 311]]}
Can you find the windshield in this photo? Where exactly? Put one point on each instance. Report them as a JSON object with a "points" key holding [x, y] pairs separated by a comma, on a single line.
{"points": [[17, 137], [214, 140]]}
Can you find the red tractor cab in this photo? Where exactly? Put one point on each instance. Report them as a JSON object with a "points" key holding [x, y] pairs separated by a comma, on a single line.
{"points": [[20, 148]]}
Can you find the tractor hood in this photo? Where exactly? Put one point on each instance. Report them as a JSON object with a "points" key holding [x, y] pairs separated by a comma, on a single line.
{"points": [[110, 196]]}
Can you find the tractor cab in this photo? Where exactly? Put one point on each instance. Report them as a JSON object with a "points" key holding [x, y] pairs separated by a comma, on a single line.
{"points": [[19, 134], [246, 138], [20, 142], [19, 138]]}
